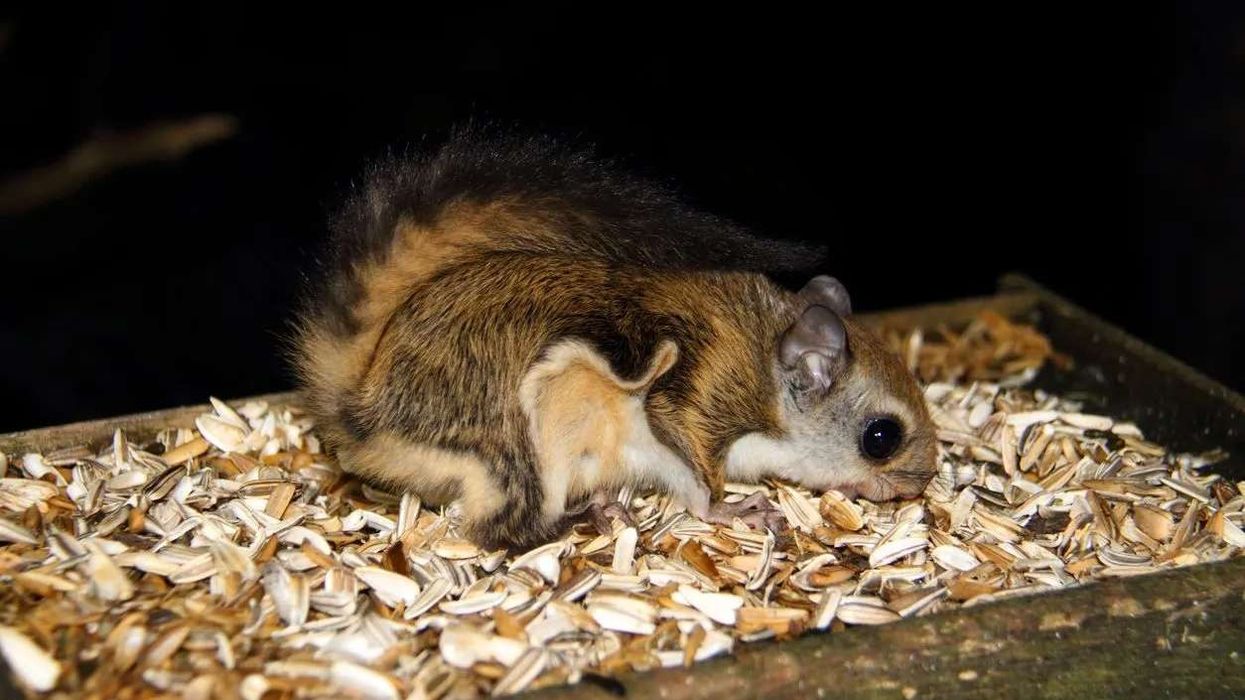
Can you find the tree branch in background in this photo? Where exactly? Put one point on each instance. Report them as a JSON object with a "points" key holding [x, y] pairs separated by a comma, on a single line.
{"points": [[101, 155]]}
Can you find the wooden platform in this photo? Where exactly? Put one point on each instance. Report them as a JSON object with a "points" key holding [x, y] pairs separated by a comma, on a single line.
{"points": [[1179, 633]]}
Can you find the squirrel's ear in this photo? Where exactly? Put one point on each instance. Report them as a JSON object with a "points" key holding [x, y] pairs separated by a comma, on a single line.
{"points": [[828, 292], [815, 347]]}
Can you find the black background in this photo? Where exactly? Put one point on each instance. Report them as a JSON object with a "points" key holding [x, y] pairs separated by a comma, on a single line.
{"points": [[1098, 150]]}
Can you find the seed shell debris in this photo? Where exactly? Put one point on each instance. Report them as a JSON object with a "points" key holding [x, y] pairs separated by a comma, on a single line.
{"points": [[233, 556]]}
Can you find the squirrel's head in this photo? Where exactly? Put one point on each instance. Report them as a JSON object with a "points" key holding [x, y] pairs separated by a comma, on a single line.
{"points": [[853, 417]]}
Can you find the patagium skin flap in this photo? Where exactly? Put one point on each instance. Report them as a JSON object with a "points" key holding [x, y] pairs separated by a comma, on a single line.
{"points": [[521, 326]]}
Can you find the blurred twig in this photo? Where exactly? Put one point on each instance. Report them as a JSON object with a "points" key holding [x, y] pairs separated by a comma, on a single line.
{"points": [[101, 155]]}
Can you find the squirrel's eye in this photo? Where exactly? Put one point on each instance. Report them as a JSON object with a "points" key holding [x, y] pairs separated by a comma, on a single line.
{"points": [[881, 438]]}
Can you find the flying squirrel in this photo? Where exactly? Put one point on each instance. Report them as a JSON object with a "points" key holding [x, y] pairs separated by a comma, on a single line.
{"points": [[524, 327]]}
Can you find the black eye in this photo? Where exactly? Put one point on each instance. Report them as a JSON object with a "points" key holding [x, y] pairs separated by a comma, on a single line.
{"points": [[881, 438]]}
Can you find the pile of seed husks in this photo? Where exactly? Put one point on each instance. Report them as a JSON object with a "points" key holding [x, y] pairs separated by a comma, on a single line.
{"points": [[234, 559]]}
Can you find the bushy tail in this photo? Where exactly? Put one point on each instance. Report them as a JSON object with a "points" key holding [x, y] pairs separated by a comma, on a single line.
{"points": [[588, 206]]}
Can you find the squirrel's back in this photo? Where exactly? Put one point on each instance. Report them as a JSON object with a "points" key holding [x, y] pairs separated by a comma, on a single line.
{"points": [[416, 217]]}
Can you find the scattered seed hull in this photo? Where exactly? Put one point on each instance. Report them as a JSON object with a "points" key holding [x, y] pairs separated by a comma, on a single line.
{"points": [[235, 558]]}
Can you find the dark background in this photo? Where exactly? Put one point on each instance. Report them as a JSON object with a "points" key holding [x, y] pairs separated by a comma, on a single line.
{"points": [[1101, 151]]}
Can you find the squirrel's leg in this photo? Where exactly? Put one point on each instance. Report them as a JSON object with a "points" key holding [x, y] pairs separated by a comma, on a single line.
{"points": [[590, 432]]}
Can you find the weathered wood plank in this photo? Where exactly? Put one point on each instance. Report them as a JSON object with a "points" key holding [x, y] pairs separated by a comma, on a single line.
{"points": [[138, 425], [1018, 305], [1178, 634]]}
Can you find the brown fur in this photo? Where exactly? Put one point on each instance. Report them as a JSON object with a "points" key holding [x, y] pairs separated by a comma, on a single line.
{"points": [[581, 411], [437, 362], [729, 389], [431, 364]]}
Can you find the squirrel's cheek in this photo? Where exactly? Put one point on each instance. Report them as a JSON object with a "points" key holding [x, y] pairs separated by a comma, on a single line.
{"points": [[852, 482]]}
